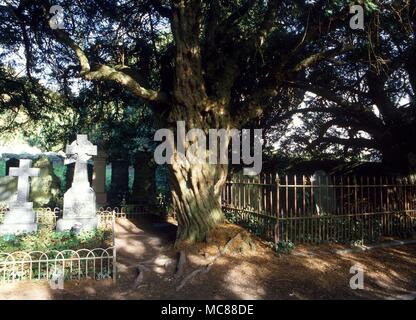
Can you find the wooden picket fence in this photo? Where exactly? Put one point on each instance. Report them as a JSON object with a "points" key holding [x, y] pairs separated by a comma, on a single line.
{"points": [[321, 209]]}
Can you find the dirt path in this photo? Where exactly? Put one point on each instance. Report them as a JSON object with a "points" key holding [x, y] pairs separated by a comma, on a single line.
{"points": [[307, 273]]}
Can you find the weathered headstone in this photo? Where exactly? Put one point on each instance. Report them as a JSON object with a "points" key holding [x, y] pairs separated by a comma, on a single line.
{"points": [[79, 201], [119, 187], [323, 193], [45, 188], [8, 189], [99, 178], [144, 184], [21, 218], [69, 174]]}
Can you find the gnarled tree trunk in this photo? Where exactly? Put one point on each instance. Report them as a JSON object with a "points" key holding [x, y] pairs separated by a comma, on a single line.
{"points": [[196, 187], [196, 193]]}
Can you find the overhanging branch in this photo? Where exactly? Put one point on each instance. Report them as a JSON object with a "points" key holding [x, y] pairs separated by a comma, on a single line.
{"points": [[104, 72]]}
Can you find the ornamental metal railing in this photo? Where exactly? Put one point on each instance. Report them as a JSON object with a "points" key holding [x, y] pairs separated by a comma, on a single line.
{"points": [[52, 265], [304, 209], [130, 211], [55, 266]]}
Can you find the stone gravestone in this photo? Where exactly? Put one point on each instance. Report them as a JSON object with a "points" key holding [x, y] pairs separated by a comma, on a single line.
{"points": [[8, 184], [79, 201], [45, 189], [119, 187], [144, 184], [8, 188], [21, 218], [99, 178], [69, 174], [323, 194]]}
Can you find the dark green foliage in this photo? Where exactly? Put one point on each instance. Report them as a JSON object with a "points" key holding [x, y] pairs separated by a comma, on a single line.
{"points": [[46, 240], [258, 225], [284, 247], [60, 172]]}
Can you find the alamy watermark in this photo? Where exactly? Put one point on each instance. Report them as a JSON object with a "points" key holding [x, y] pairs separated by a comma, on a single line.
{"points": [[357, 20], [57, 20], [195, 147], [357, 280], [56, 282]]}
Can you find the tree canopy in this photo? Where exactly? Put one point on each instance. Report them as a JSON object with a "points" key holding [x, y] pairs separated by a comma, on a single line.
{"points": [[225, 64]]}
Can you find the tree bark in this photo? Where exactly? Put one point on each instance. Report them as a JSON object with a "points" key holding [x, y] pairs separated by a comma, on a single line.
{"points": [[196, 194], [196, 187]]}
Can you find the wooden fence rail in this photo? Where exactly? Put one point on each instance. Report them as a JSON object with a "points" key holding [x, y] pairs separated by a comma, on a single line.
{"points": [[320, 209]]}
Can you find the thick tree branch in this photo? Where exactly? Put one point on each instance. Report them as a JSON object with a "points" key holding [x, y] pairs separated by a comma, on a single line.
{"points": [[104, 72], [321, 56]]}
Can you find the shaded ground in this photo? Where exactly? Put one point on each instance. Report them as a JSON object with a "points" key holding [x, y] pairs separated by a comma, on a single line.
{"points": [[307, 273]]}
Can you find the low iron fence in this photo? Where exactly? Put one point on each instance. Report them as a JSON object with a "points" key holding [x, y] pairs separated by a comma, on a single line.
{"points": [[130, 211], [53, 265], [320, 209], [49, 216], [96, 263]]}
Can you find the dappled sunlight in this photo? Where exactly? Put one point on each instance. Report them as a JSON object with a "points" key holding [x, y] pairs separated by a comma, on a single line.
{"points": [[317, 264], [246, 271], [26, 291], [246, 286]]}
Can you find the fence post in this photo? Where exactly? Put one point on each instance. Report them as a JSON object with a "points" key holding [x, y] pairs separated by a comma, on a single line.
{"points": [[276, 226], [113, 222]]}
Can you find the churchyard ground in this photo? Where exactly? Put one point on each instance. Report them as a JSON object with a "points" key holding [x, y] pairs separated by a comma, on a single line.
{"points": [[308, 272]]}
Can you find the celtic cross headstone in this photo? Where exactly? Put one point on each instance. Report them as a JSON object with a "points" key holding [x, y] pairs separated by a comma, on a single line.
{"points": [[79, 201]]}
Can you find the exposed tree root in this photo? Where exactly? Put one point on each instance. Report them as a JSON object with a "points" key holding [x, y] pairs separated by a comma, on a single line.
{"points": [[159, 261], [225, 240], [208, 267], [139, 280], [181, 264]]}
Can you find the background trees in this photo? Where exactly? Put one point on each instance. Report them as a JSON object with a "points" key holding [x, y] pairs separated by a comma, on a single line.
{"points": [[221, 64], [365, 99]]}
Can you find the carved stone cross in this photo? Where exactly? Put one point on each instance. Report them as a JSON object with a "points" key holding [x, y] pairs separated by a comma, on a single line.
{"points": [[23, 173], [81, 150]]}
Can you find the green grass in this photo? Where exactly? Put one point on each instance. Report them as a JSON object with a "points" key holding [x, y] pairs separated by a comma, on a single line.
{"points": [[46, 239]]}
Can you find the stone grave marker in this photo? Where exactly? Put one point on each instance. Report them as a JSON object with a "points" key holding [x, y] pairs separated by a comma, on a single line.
{"points": [[21, 218], [323, 194], [79, 201]]}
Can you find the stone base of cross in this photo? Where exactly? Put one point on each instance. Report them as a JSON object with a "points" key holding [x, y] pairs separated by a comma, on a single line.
{"points": [[79, 209], [19, 219]]}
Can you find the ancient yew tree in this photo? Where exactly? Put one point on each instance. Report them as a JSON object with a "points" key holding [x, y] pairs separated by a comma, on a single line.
{"points": [[213, 64], [365, 99]]}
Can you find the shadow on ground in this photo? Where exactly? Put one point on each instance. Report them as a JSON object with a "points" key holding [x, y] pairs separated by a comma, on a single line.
{"points": [[307, 273]]}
